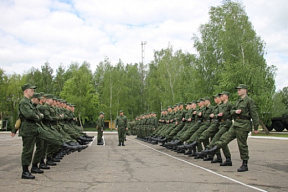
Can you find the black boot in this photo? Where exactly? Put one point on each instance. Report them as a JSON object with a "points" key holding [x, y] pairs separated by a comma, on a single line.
{"points": [[218, 159], [208, 158], [26, 174], [123, 143], [35, 169], [119, 144], [100, 142], [244, 166], [211, 151], [43, 166], [50, 162], [228, 162]]}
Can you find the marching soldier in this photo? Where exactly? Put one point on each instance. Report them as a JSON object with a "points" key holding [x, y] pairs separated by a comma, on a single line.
{"points": [[242, 113]]}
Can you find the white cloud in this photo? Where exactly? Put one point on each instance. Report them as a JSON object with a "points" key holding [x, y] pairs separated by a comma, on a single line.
{"points": [[33, 32]]}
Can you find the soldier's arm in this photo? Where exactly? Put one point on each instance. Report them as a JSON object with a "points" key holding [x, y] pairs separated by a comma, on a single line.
{"points": [[27, 112]]}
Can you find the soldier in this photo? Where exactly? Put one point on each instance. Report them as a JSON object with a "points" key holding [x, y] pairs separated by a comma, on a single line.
{"points": [[100, 128], [198, 115], [225, 120], [30, 129], [205, 114], [242, 112], [212, 129], [121, 125], [39, 143], [179, 123]]}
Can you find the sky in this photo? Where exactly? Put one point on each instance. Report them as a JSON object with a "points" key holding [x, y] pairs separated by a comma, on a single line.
{"points": [[65, 31]]}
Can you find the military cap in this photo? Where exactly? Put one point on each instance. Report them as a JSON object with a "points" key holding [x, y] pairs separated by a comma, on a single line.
{"points": [[41, 94], [188, 103], [63, 101], [224, 93], [216, 95], [54, 98], [193, 101], [28, 86], [206, 98], [242, 86], [49, 96], [37, 95], [101, 113], [180, 103], [121, 111], [169, 107]]}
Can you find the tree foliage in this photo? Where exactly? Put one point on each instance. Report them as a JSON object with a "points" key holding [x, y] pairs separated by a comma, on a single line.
{"points": [[229, 52], [79, 90]]}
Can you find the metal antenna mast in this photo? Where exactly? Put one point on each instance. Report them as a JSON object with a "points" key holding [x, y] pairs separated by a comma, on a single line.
{"points": [[143, 43]]}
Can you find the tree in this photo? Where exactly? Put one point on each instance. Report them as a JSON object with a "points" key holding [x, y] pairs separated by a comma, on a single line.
{"points": [[170, 78], [46, 81], [279, 107], [284, 96], [80, 91], [61, 77], [231, 53]]}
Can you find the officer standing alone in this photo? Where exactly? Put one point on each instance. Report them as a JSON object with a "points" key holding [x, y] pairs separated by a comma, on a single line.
{"points": [[121, 125], [100, 128]]}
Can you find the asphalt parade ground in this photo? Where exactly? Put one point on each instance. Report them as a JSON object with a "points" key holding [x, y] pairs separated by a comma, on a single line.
{"points": [[140, 166]]}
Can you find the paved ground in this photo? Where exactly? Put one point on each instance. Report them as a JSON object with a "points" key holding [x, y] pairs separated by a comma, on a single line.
{"points": [[140, 166]]}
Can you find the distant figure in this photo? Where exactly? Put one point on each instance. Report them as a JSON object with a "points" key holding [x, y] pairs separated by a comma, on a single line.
{"points": [[100, 128], [121, 125]]}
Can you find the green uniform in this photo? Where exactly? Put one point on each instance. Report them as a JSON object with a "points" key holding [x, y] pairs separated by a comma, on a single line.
{"points": [[194, 126], [179, 124], [31, 128], [121, 124], [206, 112], [225, 124], [213, 128], [100, 128], [242, 125]]}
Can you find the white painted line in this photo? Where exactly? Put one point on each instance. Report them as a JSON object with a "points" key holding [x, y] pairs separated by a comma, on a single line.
{"points": [[103, 140], [91, 142], [205, 169], [267, 137]]}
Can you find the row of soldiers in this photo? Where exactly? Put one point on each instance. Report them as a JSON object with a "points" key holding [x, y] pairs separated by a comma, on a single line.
{"points": [[49, 124], [201, 124]]}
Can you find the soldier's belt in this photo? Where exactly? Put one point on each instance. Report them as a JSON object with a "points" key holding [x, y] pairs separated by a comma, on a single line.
{"points": [[243, 118], [214, 120], [45, 122], [223, 120], [53, 122], [206, 120], [28, 120]]}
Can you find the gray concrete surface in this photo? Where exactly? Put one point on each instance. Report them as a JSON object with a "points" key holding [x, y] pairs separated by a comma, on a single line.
{"points": [[140, 166]]}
